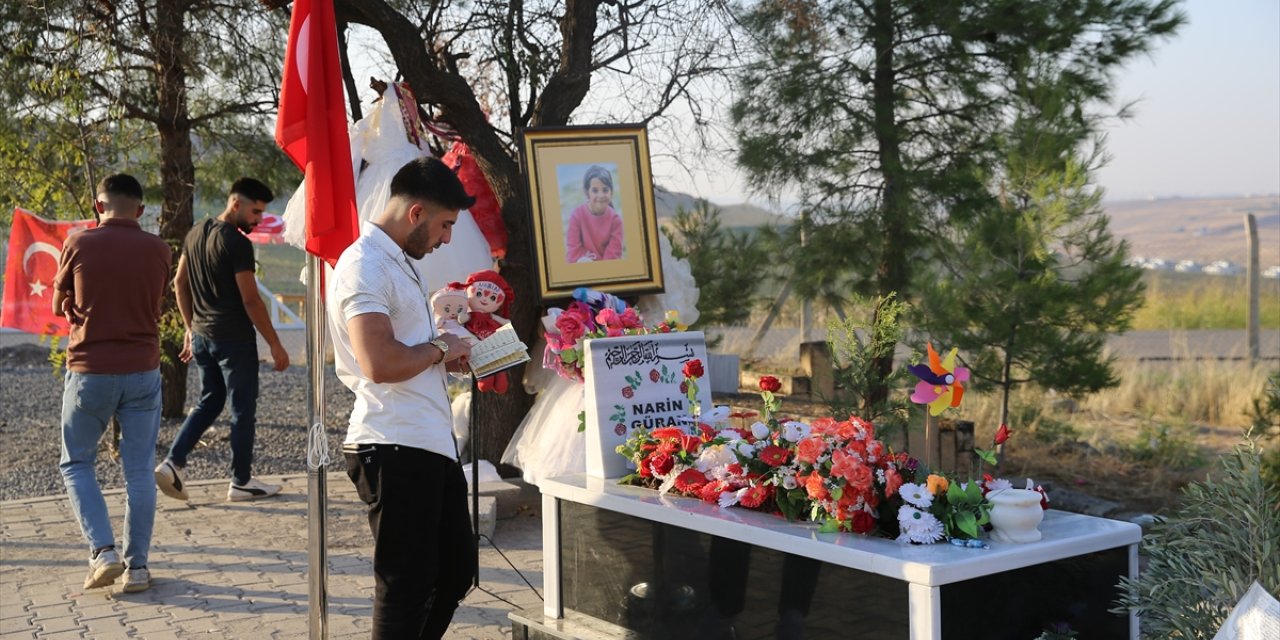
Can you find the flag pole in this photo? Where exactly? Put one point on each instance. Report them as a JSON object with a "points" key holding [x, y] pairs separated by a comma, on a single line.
{"points": [[317, 458]]}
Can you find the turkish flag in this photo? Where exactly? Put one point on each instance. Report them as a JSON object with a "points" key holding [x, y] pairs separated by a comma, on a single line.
{"points": [[35, 245], [311, 128]]}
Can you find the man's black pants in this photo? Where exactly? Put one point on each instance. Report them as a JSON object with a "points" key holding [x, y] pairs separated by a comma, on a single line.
{"points": [[424, 551]]}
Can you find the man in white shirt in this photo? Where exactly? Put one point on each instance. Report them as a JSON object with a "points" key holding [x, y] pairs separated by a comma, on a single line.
{"points": [[399, 448]]}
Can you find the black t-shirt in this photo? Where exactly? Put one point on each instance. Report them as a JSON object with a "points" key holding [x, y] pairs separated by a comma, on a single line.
{"points": [[216, 252]]}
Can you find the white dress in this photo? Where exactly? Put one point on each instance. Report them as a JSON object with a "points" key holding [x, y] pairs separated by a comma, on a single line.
{"points": [[547, 442], [380, 145]]}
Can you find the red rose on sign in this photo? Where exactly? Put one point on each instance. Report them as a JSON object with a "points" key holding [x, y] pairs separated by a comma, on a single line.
{"points": [[770, 384], [628, 392], [684, 387], [693, 369], [620, 428], [653, 375]]}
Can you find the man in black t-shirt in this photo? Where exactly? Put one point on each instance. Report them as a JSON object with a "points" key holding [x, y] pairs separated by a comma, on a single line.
{"points": [[218, 297]]}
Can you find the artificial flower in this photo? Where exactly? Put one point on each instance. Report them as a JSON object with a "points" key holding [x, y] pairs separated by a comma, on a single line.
{"points": [[925, 530], [916, 494], [755, 496], [770, 384], [794, 431], [862, 522], [730, 498], [937, 484], [774, 456], [809, 449], [760, 430], [693, 369], [1002, 434], [690, 480]]}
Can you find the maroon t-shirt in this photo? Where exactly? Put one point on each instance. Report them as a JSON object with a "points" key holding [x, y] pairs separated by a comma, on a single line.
{"points": [[115, 275]]}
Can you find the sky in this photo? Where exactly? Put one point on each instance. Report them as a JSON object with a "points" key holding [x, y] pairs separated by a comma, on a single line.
{"points": [[1206, 118]]}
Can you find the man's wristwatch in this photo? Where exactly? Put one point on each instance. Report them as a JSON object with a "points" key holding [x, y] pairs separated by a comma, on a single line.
{"points": [[442, 346]]}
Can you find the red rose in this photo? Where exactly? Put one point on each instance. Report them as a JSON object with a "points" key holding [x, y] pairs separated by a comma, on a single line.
{"points": [[620, 428], [684, 387], [693, 369], [628, 392], [861, 522], [654, 376], [1002, 434], [770, 384], [662, 463]]}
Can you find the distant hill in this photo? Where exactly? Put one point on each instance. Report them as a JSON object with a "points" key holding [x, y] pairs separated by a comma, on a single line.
{"points": [[1201, 229], [731, 216]]}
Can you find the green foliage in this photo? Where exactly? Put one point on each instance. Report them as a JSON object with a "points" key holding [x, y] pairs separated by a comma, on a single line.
{"points": [[1029, 285], [964, 511], [855, 346], [1202, 301], [1166, 445], [1202, 560], [726, 264], [1266, 423]]}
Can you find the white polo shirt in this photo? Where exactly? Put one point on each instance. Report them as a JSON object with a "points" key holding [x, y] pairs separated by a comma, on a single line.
{"points": [[375, 276]]}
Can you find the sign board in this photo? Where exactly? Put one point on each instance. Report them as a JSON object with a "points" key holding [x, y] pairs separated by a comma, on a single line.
{"points": [[635, 381], [1255, 617]]}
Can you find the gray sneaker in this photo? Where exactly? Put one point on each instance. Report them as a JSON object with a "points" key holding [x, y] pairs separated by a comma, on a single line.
{"points": [[251, 490], [104, 569], [136, 580], [169, 479]]}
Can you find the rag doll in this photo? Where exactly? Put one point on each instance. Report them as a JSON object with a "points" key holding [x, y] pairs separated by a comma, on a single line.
{"points": [[449, 304], [488, 299]]}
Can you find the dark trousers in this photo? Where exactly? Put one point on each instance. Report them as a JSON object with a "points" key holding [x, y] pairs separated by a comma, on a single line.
{"points": [[228, 368], [424, 553]]}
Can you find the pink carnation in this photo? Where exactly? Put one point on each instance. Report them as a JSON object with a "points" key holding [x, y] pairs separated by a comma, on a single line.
{"points": [[571, 328], [630, 319], [609, 318]]}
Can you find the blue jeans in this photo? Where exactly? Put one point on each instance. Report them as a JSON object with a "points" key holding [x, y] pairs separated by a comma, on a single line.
{"points": [[227, 368], [88, 402]]}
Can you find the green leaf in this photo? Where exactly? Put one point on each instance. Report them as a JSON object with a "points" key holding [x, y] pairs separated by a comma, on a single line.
{"points": [[988, 456], [967, 523], [830, 525]]}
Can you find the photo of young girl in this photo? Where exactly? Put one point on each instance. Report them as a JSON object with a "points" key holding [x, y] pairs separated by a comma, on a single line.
{"points": [[594, 229]]}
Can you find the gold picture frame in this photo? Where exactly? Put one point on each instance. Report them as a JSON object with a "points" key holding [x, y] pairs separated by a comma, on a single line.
{"points": [[580, 237]]}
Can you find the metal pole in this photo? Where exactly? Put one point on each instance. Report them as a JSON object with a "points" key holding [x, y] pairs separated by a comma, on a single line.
{"points": [[1251, 281], [317, 458]]}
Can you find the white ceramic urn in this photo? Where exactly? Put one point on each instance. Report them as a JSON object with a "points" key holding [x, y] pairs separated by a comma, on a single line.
{"points": [[1015, 515]]}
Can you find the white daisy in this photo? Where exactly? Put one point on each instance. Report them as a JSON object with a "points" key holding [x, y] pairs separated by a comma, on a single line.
{"points": [[908, 516], [999, 484], [928, 530], [730, 498], [916, 494]]}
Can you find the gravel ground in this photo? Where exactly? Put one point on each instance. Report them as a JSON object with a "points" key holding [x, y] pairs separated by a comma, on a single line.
{"points": [[30, 427]]}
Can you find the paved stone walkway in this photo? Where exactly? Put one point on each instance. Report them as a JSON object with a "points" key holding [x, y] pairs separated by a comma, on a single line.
{"points": [[232, 570]]}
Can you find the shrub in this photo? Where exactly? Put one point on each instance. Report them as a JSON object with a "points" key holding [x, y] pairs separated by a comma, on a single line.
{"points": [[1201, 561]]}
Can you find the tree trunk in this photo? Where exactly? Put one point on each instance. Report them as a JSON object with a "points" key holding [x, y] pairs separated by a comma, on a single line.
{"points": [[891, 272], [177, 178]]}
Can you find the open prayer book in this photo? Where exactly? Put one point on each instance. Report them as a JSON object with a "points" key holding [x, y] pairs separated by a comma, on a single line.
{"points": [[500, 351]]}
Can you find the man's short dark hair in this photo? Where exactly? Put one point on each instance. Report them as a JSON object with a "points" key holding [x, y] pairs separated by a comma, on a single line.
{"points": [[431, 180], [253, 190], [121, 184]]}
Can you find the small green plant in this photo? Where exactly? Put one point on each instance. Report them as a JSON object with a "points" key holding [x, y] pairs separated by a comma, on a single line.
{"points": [[855, 347], [1266, 423], [1166, 445], [1058, 631], [1201, 561]]}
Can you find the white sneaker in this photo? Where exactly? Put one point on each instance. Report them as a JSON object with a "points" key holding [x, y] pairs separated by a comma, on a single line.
{"points": [[169, 479], [104, 569], [136, 580], [251, 490]]}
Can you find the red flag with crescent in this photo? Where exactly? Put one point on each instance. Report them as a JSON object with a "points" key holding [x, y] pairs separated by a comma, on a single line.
{"points": [[311, 128], [35, 245]]}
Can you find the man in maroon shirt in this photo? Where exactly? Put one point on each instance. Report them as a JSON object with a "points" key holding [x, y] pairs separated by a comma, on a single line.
{"points": [[110, 286]]}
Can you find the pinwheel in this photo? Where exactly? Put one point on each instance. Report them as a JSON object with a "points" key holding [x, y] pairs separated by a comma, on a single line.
{"points": [[940, 383]]}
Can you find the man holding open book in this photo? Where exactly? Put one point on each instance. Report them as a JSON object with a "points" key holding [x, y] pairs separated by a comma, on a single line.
{"points": [[399, 448]]}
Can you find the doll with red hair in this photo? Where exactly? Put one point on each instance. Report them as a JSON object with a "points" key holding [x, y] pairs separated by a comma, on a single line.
{"points": [[489, 298]]}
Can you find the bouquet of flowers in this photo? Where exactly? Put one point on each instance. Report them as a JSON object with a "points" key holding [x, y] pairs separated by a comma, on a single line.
{"points": [[592, 314], [836, 473]]}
